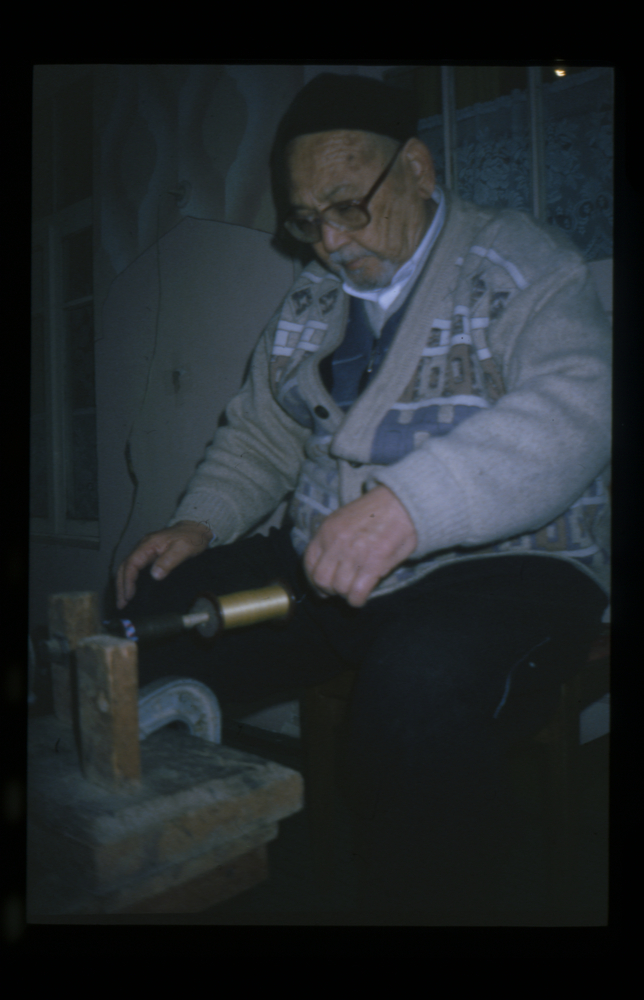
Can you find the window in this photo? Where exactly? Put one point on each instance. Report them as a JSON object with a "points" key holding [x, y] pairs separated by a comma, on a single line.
{"points": [[63, 466]]}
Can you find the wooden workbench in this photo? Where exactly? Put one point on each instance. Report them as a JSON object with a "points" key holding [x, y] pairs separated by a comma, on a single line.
{"points": [[192, 835], [172, 823]]}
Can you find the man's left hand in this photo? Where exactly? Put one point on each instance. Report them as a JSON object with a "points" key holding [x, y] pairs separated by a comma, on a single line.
{"points": [[359, 544]]}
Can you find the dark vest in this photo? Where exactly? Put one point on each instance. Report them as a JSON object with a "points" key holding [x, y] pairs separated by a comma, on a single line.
{"points": [[348, 371]]}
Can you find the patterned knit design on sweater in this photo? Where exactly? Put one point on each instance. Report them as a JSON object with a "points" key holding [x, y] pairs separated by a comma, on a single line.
{"points": [[456, 376]]}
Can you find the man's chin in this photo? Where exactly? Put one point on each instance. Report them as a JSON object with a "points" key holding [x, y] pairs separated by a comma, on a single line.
{"points": [[365, 277]]}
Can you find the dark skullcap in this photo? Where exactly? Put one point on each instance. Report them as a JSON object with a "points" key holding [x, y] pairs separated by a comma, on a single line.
{"points": [[357, 103]]}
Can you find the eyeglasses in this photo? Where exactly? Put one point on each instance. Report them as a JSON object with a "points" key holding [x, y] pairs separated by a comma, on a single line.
{"points": [[347, 216]]}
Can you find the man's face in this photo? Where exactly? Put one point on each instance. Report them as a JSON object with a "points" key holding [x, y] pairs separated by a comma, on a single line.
{"points": [[327, 167]]}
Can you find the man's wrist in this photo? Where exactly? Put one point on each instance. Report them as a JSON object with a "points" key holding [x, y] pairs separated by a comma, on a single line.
{"points": [[203, 525], [208, 529]]}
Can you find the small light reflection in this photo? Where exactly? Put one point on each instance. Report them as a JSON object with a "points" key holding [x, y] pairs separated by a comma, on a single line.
{"points": [[560, 72]]}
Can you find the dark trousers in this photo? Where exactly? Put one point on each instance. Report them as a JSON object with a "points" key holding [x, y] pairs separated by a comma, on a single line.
{"points": [[452, 670]]}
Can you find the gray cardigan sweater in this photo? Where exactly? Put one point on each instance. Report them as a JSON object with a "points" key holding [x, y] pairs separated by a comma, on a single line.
{"points": [[489, 418]]}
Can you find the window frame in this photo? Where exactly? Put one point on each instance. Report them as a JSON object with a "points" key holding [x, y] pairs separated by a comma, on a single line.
{"points": [[49, 234]]}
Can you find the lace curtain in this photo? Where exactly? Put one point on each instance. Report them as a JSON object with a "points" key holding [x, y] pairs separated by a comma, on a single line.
{"points": [[494, 163]]}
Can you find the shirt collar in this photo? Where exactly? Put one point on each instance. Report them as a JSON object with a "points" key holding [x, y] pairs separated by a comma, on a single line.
{"points": [[385, 296]]}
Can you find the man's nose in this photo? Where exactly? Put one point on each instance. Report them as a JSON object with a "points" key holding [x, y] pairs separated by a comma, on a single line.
{"points": [[333, 239]]}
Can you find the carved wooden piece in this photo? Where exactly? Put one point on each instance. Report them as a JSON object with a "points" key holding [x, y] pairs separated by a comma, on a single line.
{"points": [[108, 712], [74, 616], [173, 824]]}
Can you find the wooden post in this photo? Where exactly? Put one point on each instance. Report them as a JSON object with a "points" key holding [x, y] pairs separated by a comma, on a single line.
{"points": [[108, 712], [72, 617]]}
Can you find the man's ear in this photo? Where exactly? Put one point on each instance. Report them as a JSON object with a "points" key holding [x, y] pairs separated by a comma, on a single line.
{"points": [[420, 161]]}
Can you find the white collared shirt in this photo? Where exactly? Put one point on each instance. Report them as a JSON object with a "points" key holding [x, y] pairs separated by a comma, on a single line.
{"points": [[385, 297]]}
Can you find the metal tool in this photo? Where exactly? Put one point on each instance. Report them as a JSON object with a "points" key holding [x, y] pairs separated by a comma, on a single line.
{"points": [[210, 614]]}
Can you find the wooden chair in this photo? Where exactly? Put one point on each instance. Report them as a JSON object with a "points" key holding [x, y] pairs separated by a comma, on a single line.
{"points": [[323, 710]]}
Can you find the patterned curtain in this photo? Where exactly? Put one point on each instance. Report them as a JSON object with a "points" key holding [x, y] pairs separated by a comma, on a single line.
{"points": [[494, 162], [578, 123]]}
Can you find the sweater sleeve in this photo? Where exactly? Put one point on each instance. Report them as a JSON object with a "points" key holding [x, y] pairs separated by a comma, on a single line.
{"points": [[513, 468], [253, 461]]}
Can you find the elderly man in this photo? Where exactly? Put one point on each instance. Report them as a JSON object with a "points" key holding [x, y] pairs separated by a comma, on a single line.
{"points": [[433, 393]]}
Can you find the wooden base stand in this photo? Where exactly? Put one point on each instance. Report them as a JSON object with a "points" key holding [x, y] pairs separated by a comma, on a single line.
{"points": [[170, 824], [192, 835]]}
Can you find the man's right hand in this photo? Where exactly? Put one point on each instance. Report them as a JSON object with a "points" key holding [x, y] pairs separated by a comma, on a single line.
{"points": [[165, 549]]}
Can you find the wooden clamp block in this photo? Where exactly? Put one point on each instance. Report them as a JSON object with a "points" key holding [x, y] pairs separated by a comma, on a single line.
{"points": [[72, 617], [108, 712]]}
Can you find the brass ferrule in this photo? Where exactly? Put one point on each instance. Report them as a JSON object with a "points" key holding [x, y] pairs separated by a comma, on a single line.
{"points": [[248, 607]]}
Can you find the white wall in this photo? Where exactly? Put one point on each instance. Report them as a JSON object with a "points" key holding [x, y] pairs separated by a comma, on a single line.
{"points": [[189, 343], [219, 286]]}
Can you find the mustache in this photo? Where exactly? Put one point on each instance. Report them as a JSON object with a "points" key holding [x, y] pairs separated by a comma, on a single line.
{"points": [[347, 256]]}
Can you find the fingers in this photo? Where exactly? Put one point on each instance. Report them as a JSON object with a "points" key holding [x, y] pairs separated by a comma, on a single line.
{"points": [[145, 553], [340, 565], [165, 550], [311, 560], [348, 575], [358, 545], [171, 556]]}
